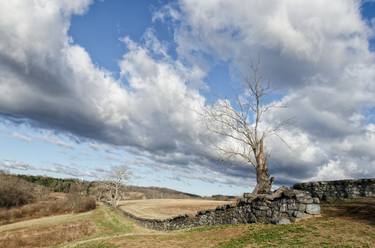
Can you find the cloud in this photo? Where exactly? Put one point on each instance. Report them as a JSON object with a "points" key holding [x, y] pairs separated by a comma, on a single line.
{"points": [[316, 53], [54, 139], [311, 36], [21, 137], [45, 136], [53, 84], [15, 165], [71, 171], [61, 169], [70, 93]]}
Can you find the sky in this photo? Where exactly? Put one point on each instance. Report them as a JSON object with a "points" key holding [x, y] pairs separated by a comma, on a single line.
{"points": [[86, 85]]}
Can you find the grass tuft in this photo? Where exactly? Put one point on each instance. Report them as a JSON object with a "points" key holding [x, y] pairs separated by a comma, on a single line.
{"points": [[100, 244]]}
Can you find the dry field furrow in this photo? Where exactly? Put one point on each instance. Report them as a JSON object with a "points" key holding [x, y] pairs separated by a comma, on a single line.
{"points": [[166, 208]]}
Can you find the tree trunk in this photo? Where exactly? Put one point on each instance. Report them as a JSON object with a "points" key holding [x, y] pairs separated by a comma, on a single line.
{"points": [[115, 201], [264, 181]]}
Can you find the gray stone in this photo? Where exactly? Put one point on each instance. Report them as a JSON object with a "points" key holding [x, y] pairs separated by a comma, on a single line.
{"points": [[307, 200], [300, 195], [316, 200], [269, 213], [313, 209], [300, 215], [301, 207], [261, 207], [283, 208], [292, 205]]}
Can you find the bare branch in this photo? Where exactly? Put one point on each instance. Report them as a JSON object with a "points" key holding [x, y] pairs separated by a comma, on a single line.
{"points": [[242, 124]]}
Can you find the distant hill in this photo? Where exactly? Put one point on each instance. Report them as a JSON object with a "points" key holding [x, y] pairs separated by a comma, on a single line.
{"points": [[96, 188], [160, 193]]}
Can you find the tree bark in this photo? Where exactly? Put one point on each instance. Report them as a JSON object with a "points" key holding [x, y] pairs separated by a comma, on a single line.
{"points": [[264, 181]]}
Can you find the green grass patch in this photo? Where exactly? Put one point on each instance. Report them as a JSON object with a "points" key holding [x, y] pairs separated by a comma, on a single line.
{"points": [[270, 236], [208, 228], [110, 222], [100, 244]]}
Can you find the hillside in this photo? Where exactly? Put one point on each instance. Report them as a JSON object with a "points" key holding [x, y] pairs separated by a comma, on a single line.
{"points": [[95, 187]]}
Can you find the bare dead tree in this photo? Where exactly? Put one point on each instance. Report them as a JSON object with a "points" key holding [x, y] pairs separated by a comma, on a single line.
{"points": [[241, 124], [118, 177]]}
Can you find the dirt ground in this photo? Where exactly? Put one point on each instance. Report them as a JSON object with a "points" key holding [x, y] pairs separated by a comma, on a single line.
{"points": [[165, 208], [46, 236]]}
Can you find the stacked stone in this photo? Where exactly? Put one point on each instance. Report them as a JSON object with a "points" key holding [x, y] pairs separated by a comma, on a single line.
{"points": [[339, 189], [282, 207]]}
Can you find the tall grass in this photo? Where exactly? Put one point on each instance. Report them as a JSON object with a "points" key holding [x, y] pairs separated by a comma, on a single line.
{"points": [[69, 204]]}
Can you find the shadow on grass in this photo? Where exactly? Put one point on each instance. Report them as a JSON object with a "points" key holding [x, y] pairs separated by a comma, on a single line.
{"points": [[361, 210], [346, 223]]}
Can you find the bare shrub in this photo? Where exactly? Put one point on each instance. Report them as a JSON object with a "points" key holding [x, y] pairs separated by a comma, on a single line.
{"points": [[87, 203], [20, 200], [72, 203], [11, 196], [79, 203], [15, 192]]}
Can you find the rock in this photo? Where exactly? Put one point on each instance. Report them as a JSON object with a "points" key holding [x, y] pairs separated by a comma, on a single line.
{"points": [[316, 200], [261, 207], [301, 207], [300, 215], [292, 206], [307, 200], [269, 213], [313, 209], [251, 219], [300, 194], [283, 208], [248, 195]]}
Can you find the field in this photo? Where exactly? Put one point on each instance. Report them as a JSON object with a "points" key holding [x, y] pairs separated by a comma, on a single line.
{"points": [[343, 224], [165, 208]]}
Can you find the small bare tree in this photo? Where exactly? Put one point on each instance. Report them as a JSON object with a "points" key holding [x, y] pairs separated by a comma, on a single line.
{"points": [[118, 177], [241, 124]]}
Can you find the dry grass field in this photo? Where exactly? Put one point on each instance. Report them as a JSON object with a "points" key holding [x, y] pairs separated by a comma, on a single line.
{"points": [[166, 208], [343, 224]]}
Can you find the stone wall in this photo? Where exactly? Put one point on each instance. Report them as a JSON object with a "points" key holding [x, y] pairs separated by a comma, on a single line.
{"points": [[282, 207], [340, 189]]}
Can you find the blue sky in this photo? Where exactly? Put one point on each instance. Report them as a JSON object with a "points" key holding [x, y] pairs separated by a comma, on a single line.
{"points": [[87, 85], [113, 20], [116, 19]]}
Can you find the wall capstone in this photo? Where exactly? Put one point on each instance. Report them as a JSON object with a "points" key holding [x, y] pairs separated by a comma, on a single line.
{"points": [[339, 189]]}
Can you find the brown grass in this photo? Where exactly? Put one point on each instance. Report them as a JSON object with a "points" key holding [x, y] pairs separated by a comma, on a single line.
{"points": [[343, 224], [201, 237], [165, 208], [56, 204], [46, 236]]}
